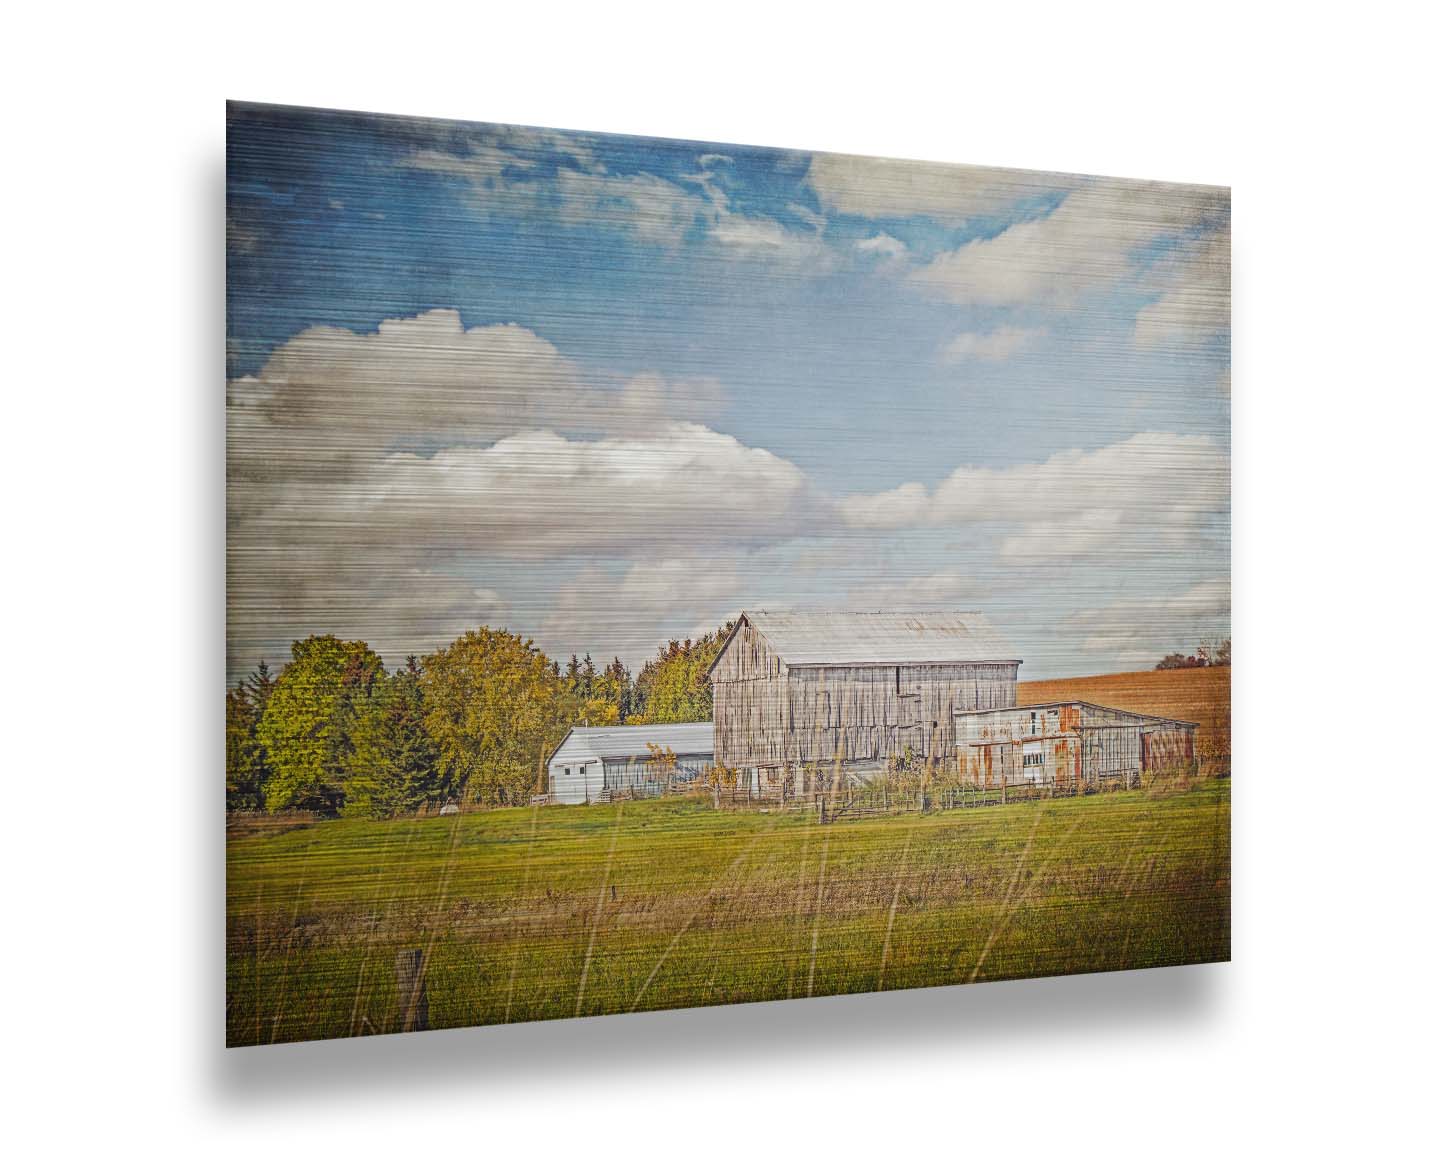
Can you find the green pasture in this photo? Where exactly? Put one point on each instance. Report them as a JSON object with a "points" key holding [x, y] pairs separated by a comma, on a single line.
{"points": [[551, 912]]}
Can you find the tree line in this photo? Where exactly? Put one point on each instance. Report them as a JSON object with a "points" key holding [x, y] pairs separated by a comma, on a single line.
{"points": [[333, 731], [1205, 656]]}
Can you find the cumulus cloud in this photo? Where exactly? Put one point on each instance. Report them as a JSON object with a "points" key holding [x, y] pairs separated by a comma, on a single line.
{"points": [[369, 471], [539, 494], [998, 344], [1155, 494], [948, 193], [1094, 241]]}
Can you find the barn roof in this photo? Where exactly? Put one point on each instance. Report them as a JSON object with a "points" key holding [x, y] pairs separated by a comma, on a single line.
{"points": [[1140, 717], [850, 638], [626, 740]]}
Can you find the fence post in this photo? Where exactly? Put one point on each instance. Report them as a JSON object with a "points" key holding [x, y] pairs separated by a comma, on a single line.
{"points": [[413, 1004], [822, 809]]}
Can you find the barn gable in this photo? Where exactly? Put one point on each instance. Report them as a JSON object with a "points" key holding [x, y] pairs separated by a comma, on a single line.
{"points": [[858, 639]]}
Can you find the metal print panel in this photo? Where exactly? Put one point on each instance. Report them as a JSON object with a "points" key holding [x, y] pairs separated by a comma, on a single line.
{"points": [[666, 574]]}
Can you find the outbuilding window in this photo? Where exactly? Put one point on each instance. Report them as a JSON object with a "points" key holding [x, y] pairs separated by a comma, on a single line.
{"points": [[582, 769], [567, 771]]}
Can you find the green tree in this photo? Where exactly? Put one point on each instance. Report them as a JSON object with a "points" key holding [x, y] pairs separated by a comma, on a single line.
{"points": [[674, 688], [245, 764], [393, 764], [493, 706], [308, 725]]}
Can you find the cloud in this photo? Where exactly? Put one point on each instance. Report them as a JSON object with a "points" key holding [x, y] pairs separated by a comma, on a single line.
{"points": [[883, 244], [1194, 305], [632, 614], [1157, 494], [655, 211], [369, 471], [329, 398], [998, 344], [515, 174], [1139, 631], [1092, 242], [760, 236], [917, 593], [948, 193], [538, 494], [539, 175]]}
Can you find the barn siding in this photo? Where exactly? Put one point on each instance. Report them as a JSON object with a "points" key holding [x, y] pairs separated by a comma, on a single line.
{"points": [[1082, 742], [769, 715]]}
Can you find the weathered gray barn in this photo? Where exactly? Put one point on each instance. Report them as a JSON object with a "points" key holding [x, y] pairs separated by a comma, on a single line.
{"points": [[597, 764], [795, 692], [1069, 745]]}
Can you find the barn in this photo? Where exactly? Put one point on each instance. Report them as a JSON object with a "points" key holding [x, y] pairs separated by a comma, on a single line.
{"points": [[593, 765], [1068, 745], [797, 693]]}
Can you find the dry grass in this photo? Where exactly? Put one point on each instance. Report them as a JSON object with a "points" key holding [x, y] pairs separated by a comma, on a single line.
{"points": [[536, 914]]}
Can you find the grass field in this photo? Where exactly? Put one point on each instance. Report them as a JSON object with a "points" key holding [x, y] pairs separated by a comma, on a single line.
{"points": [[1200, 695], [554, 912]]}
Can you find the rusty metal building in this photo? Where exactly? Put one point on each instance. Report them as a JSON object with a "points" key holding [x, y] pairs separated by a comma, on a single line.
{"points": [[1069, 744], [797, 693]]}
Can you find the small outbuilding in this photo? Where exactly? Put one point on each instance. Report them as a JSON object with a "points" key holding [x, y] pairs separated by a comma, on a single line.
{"points": [[1069, 745], [596, 764]]}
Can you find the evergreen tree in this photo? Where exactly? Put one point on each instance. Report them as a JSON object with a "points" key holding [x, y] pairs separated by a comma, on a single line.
{"points": [[394, 763]]}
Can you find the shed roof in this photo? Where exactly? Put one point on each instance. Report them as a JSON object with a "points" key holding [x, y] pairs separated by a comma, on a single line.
{"points": [[1140, 718], [850, 638], [623, 741]]}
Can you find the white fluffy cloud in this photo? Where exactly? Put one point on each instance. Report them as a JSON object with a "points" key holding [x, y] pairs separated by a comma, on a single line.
{"points": [[538, 494], [997, 344], [1147, 496], [1089, 243], [948, 193], [368, 471]]}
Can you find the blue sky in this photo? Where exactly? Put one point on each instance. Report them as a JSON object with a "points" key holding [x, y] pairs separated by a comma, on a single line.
{"points": [[607, 389]]}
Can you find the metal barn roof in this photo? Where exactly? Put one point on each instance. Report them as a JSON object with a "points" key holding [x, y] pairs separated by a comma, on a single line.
{"points": [[849, 638], [620, 742], [1140, 718]]}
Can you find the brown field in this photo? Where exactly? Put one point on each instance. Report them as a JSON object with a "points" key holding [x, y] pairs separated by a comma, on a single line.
{"points": [[1200, 695]]}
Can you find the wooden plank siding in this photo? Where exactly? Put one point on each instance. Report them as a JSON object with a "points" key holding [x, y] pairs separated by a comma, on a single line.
{"points": [[769, 715], [1076, 742]]}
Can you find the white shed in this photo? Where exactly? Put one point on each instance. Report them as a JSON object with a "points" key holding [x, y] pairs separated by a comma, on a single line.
{"points": [[599, 763]]}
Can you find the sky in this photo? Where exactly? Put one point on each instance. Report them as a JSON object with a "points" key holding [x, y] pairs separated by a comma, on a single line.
{"points": [[605, 390]]}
